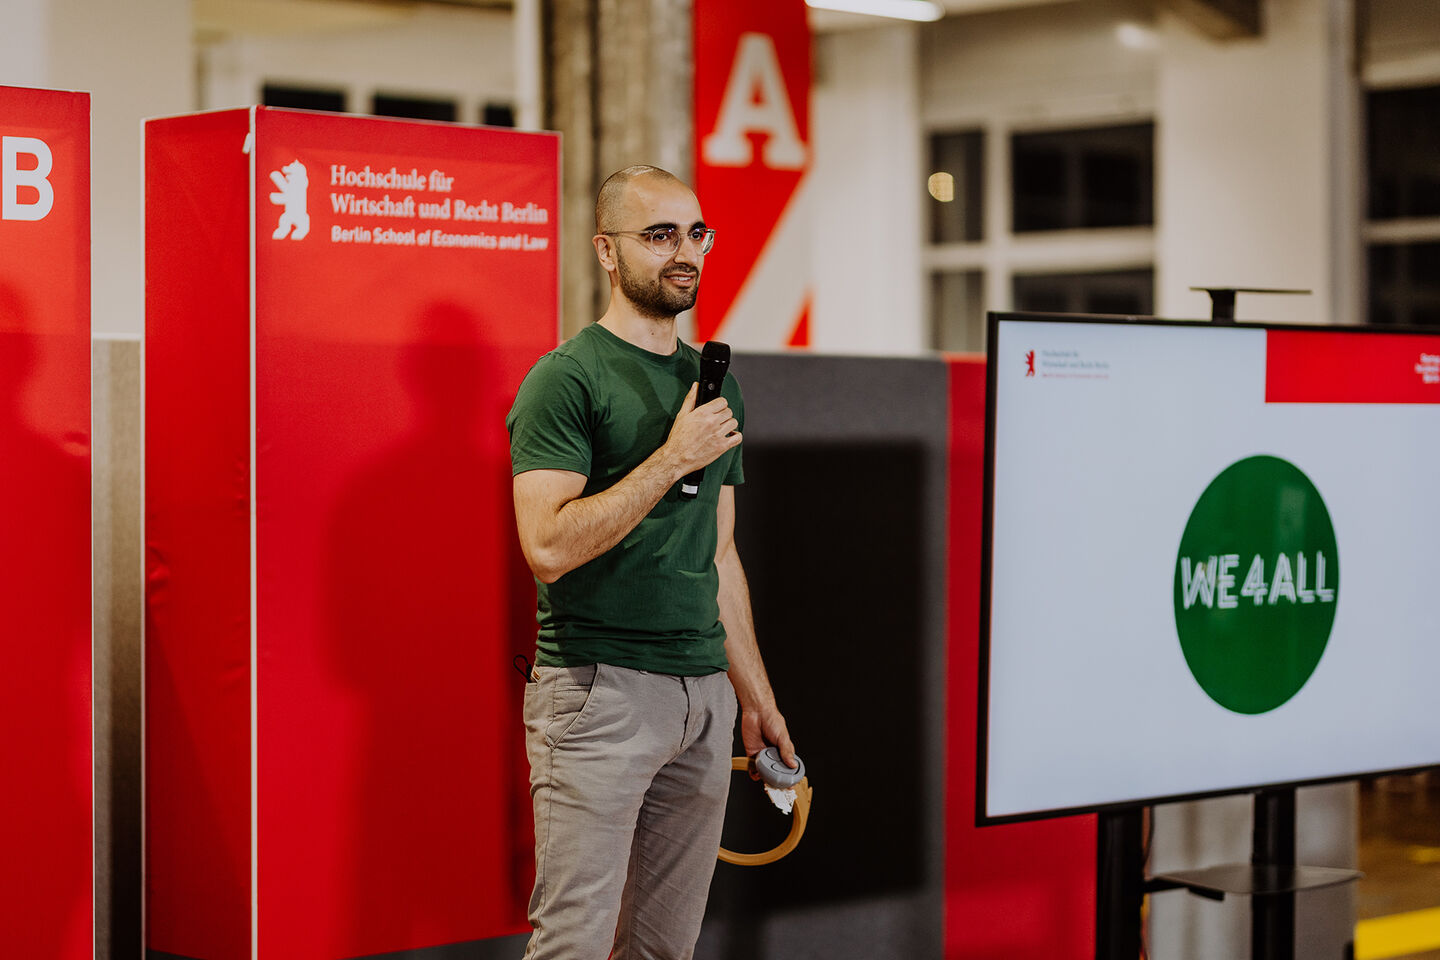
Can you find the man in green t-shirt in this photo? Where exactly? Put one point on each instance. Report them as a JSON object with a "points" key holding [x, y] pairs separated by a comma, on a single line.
{"points": [[646, 641]]}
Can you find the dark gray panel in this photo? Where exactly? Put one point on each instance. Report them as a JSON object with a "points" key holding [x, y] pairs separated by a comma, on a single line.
{"points": [[499, 948], [819, 398], [841, 525]]}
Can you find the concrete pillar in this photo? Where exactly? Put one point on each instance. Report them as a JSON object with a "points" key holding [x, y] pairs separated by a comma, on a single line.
{"points": [[619, 76]]}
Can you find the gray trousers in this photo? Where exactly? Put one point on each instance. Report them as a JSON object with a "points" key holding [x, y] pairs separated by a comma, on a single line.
{"points": [[629, 772]]}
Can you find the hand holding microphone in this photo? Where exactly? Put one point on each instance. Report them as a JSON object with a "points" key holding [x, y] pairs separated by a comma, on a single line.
{"points": [[705, 427]]}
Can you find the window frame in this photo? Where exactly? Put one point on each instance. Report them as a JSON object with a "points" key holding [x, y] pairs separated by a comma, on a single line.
{"points": [[1001, 253]]}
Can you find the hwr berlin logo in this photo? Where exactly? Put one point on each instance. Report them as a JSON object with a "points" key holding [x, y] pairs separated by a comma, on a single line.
{"points": [[1030, 364], [1257, 581], [293, 184]]}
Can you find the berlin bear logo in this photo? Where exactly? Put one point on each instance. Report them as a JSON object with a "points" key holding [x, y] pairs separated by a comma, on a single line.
{"points": [[293, 184]]}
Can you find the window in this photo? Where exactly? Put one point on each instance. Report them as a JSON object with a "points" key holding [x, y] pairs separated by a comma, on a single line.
{"points": [[497, 115], [957, 187], [1402, 146], [957, 299], [302, 98], [1123, 292], [1071, 232], [1403, 232], [1405, 283], [1083, 179], [415, 108]]}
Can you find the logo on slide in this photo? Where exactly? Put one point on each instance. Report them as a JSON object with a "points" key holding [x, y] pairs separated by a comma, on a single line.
{"points": [[1429, 368], [1030, 364], [293, 185], [1257, 580]]}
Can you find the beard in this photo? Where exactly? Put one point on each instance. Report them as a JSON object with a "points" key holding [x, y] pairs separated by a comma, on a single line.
{"points": [[651, 295]]}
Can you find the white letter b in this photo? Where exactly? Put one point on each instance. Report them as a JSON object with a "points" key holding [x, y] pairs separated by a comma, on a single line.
{"points": [[12, 178]]}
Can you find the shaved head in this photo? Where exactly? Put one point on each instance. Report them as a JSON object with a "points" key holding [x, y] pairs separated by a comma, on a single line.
{"points": [[610, 203], [635, 205]]}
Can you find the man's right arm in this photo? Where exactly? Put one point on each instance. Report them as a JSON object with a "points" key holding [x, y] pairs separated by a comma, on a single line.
{"points": [[560, 530]]}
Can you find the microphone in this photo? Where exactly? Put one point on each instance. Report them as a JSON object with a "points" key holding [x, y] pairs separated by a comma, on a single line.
{"points": [[714, 361]]}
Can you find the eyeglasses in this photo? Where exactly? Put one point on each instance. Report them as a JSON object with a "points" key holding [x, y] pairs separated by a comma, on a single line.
{"points": [[666, 240]]}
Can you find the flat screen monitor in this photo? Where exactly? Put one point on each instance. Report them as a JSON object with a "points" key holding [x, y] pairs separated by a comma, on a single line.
{"points": [[1212, 560]]}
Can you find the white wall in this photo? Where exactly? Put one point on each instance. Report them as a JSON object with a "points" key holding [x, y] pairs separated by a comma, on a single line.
{"points": [[462, 54], [1252, 177], [1041, 66], [24, 25], [135, 59], [1055, 66], [867, 189]]}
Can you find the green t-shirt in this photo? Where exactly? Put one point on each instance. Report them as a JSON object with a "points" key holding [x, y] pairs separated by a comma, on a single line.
{"points": [[598, 405]]}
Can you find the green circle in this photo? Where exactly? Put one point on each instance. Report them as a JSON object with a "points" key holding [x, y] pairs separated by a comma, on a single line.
{"points": [[1257, 581]]}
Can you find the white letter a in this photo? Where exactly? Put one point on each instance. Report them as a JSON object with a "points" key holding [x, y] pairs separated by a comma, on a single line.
{"points": [[756, 67]]}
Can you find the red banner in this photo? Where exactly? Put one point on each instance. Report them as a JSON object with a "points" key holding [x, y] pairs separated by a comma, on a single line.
{"points": [[198, 863], [752, 136], [389, 341], [1322, 366], [405, 277], [45, 677]]}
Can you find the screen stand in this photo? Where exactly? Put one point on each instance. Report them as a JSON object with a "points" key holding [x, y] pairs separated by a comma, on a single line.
{"points": [[1222, 299], [1119, 884], [1271, 879], [1272, 918]]}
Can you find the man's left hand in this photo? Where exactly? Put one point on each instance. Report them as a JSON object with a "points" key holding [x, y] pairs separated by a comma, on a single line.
{"points": [[765, 726]]}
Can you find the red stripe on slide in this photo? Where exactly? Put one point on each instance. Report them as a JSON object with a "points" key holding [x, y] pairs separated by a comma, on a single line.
{"points": [[1351, 366]]}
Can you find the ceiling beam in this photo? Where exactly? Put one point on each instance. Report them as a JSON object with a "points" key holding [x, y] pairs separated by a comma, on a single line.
{"points": [[1220, 19]]}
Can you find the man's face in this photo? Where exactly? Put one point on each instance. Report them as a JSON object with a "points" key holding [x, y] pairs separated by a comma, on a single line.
{"points": [[659, 286]]}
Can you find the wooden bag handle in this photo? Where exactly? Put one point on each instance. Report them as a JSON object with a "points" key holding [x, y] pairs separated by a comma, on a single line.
{"points": [[798, 816]]}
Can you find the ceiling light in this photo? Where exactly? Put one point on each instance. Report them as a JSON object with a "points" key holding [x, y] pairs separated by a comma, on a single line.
{"points": [[941, 186], [1136, 36], [924, 10]]}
